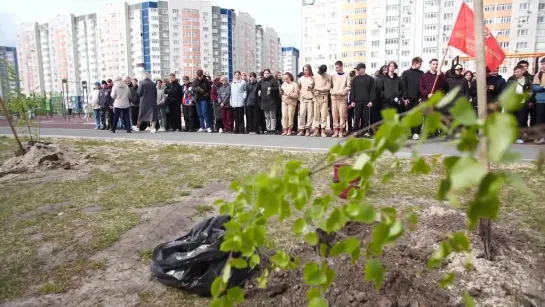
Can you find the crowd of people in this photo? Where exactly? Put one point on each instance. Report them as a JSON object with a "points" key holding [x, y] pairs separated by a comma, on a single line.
{"points": [[281, 104]]}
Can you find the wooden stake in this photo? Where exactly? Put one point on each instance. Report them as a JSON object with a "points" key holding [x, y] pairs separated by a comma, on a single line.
{"points": [[480, 59], [439, 70], [8, 117]]}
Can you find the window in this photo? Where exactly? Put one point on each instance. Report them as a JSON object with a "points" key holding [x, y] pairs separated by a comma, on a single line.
{"points": [[391, 52], [430, 15], [405, 53], [431, 3], [391, 30], [524, 6], [392, 7], [405, 42], [430, 39], [488, 21], [503, 32], [449, 3], [448, 16], [432, 27], [522, 32], [447, 28], [392, 19], [504, 7], [504, 45], [359, 43], [542, 6], [540, 33], [489, 8], [374, 54], [375, 32], [392, 41], [407, 19], [505, 19], [541, 19], [429, 50], [522, 45], [360, 21], [360, 10], [375, 43]]}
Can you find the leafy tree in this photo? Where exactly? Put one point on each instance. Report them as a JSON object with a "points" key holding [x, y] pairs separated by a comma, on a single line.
{"points": [[289, 188]]}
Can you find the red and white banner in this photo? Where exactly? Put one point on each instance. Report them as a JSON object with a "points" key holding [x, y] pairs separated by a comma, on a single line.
{"points": [[463, 39]]}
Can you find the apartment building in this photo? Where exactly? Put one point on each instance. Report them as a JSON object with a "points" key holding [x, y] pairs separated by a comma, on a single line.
{"points": [[290, 60], [245, 41], [29, 58], [271, 56], [8, 65], [378, 31], [180, 36]]}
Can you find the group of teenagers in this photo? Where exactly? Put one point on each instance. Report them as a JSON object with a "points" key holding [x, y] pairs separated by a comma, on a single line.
{"points": [[280, 104]]}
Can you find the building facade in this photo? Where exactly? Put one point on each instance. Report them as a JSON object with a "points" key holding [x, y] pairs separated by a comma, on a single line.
{"points": [[377, 31], [271, 55], [224, 27], [245, 43], [87, 48], [290, 60], [113, 41], [29, 57], [8, 66]]}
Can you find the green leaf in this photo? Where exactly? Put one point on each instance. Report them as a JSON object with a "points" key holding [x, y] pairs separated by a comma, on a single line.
{"points": [[318, 302], [352, 209], [299, 226], [509, 99], [388, 114], [311, 238], [227, 208], [464, 112], [285, 210], [374, 271], [396, 230], [449, 98], [361, 161], [281, 259], [255, 260], [218, 286], [432, 122], [387, 177], [235, 186], [518, 183], [235, 295], [293, 165], [468, 300], [316, 211], [420, 166], [502, 131], [439, 255], [459, 242], [312, 293], [336, 220], [337, 249], [468, 141], [313, 275], [262, 279], [226, 273], [352, 246], [446, 280], [486, 202], [466, 172], [238, 263], [380, 237], [413, 119]]}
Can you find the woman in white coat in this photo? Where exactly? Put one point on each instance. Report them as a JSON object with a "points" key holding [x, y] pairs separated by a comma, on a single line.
{"points": [[120, 94], [238, 100]]}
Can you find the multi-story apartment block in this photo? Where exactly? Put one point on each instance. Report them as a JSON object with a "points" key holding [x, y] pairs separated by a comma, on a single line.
{"points": [[8, 61], [290, 60], [167, 36], [271, 55], [245, 41], [377, 31], [29, 57]]}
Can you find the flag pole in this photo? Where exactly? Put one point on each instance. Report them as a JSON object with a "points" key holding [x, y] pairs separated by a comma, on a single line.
{"points": [[439, 69], [485, 228]]}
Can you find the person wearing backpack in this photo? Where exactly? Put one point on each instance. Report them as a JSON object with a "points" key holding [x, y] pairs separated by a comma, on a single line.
{"points": [[539, 90]]}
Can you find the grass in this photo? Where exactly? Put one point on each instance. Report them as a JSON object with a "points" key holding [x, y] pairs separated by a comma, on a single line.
{"points": [[126, 177]]}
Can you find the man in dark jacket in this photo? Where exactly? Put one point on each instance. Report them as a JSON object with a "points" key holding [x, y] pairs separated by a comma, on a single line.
{"points": [[252, 102], [191, 118], [201, 89], [454, 80], [362, 96], [174, 101], [390, 89], [134, 100], [524, 86], [106, 105], [411, 90], [428, 81]]}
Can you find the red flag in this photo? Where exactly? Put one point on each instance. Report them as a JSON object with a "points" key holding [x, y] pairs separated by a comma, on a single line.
{"points": [[463, 39]]}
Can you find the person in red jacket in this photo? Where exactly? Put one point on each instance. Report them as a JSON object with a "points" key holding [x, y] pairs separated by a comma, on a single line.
{"points": [[428, 80]]}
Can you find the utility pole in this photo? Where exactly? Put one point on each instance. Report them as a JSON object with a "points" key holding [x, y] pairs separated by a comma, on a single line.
{"points": [[485, 227]]}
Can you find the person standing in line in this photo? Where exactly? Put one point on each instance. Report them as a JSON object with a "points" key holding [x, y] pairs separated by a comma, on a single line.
{"points": [[390, 89], [538, 88], [174, 98], [218, 124], [322, 86], [191, 119], [252, 108], [306, 109], [244, 76], [95, 104], [522, 87], [529, 108], [161, 105], [148, 112], [201, 89], [349, 106], [410, 79], [362, 96], [278, 117], [339, 94], [224, 99], [428, 80], [120, 94], [290, 93], [238, 98], [270, 90], [106, 106], [261, 123], [134, 100]]}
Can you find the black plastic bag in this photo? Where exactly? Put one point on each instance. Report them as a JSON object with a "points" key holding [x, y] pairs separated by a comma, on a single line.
{"points": [[193, 261]]}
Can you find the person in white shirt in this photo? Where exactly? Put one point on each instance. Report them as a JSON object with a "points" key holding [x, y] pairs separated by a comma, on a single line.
{"points": [[95, 104]]}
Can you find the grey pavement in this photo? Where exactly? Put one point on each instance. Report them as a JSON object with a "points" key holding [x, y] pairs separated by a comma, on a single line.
{"points": [[293, 143]]}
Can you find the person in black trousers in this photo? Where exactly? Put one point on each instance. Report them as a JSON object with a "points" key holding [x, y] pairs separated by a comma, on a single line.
{"points": [[350, 109], [252, 101], [362, 96], [279, 105], [410, 79], [174, 100]]}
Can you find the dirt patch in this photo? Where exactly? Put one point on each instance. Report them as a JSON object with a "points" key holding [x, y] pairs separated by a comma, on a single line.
{"points": [[514, 279], [43, 157], [126, 274]]}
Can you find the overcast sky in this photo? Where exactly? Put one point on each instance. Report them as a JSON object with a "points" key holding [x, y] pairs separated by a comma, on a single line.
{"points": [[282, 15]]}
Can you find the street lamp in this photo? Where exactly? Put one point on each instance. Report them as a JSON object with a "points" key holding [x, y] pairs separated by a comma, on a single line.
{"points": [[65, 99], [84, 95]]}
